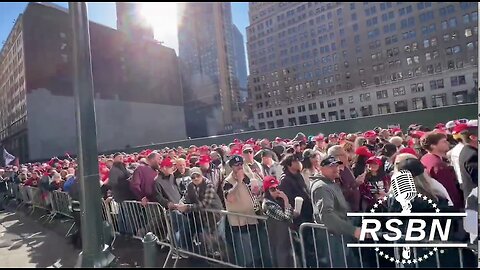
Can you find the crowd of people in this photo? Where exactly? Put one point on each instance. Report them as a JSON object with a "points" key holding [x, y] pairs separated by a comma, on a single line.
{"points": [[331, 174]]}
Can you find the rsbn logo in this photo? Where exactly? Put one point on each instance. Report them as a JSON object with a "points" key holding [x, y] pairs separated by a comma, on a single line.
{"points": [[404, 191]]}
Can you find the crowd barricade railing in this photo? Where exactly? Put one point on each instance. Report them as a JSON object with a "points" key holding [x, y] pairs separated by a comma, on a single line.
{"points": [[208, 234], [61, 204], [135, 219], [25, 198], [329, 250]]}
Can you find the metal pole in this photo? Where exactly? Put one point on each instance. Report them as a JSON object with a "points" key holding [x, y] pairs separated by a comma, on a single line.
{"points": [[95, 253], [149, 250]]}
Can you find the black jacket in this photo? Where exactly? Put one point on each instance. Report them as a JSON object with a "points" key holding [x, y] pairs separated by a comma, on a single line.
{"points": [[468, 160], [119, 182], [293, 186]]}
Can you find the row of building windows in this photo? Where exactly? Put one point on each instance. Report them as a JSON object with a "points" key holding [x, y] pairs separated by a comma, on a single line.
{"points": [[418, 103]]}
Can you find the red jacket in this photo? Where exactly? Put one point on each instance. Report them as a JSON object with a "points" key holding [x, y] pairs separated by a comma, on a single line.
{"points": [[445, 174], [31, 182]]}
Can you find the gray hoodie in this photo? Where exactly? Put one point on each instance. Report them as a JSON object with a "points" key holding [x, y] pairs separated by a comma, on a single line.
{"points": [[330, 207]]}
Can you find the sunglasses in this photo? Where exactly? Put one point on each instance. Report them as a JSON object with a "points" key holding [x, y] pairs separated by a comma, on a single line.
{"points": [[248, 152], [195, 176], [272, 189]]}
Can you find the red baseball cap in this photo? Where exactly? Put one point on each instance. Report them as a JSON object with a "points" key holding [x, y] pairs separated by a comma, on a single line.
{"points": [[204, 160], [376, 160], [459, 128], [269, 181], [167, 162], [370, 134], [408, 150], [363, 151]]}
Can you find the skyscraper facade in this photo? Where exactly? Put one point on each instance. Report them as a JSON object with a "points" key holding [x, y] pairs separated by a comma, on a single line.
{"points": [[326, 61], [240, 62], [206, 52], [137, 87]]}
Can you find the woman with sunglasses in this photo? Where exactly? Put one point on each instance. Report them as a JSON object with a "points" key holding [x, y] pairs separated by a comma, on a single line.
{"points": [[280, 216]]}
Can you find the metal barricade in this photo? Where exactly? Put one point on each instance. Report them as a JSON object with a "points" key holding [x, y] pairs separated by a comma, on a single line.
{"points": [[61, 205], [322, 249], [133, 218], [329, 250], [209, 234], [25, 198]]}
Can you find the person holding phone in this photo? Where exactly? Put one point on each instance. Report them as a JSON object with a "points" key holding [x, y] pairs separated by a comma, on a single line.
{"points": [[376, 184]]}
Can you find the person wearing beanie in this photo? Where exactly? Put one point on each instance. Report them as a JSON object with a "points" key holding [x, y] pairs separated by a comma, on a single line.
{"points": [[279, 212]]}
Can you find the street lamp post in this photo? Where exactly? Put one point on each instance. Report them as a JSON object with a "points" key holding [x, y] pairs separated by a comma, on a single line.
{"points": [[95, 252]]}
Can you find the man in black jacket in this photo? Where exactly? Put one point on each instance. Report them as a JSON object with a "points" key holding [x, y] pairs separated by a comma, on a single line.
{"points": [[293, 185], [120, 186]]}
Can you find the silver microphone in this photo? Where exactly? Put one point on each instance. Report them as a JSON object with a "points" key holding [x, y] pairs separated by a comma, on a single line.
{"points": [[404, 191]]}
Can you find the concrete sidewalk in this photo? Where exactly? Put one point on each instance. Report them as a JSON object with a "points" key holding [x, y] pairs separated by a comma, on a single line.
{"points": [[28, 241], [25, 243]]}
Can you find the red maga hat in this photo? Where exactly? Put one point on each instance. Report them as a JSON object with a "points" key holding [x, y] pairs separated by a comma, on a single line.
{"points": [[269, 181], [166, 162], [408, 150], [204, 160], [459, 128], [375, 160], [370, 134], [363, 151]]}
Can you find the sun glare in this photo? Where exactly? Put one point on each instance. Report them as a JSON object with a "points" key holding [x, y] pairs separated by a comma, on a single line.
{"points": [[162, 17]]}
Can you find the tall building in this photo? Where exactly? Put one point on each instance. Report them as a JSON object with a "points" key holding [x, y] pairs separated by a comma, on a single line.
{"points": [[138, 94], [206, 52], [131, 22], [240, 62], [325, 61]]}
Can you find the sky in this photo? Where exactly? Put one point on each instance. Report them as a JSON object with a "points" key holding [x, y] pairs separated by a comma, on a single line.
{"points": [[104, 13]]}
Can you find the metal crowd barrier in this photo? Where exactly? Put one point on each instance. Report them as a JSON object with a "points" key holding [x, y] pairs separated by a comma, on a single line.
{"points": [[328, 250], [207, 234], [61, 205], [133, 218]]}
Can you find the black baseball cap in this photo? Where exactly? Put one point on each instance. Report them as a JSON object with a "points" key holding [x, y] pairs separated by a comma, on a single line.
{"points": [[329, 161], [413, 165], [235, 160]]}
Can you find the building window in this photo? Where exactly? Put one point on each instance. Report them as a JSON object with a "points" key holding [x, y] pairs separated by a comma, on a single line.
{"points": [[312, 106], [278, 112], [353, 113], [321, 105], [439, 100], [366, 110], [460, 97], [260, 116], [365, 97], [332, 116], [400, 91], [291, 110], [384, 108], [417, 87], [280, 123], [340, 101], [261, 125], [350, 99], [331, 103], [269, 114], [457, 80], [382, 94], [401, 106], [301, 108], [292, 121], [271, 124], [436, 84], [302, 120], [419, 103], [314, 118]]}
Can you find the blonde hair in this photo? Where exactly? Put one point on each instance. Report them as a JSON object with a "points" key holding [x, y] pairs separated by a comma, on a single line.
{"points": [[397, 141], [401, 158], [359, 142], [422, 182]]}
